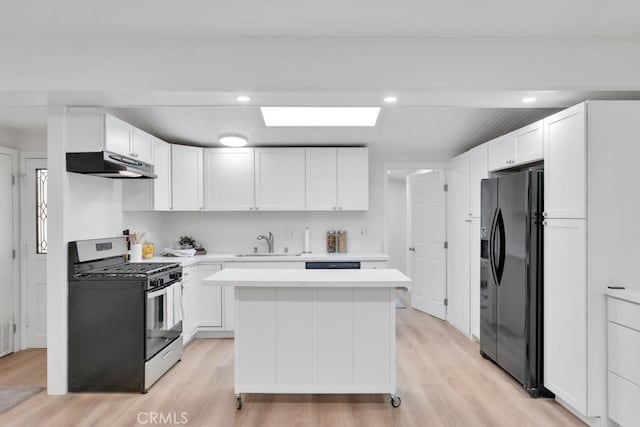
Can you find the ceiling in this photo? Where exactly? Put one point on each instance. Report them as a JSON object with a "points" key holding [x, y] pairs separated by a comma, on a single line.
{"points": [[329, 18], [437, 131]]}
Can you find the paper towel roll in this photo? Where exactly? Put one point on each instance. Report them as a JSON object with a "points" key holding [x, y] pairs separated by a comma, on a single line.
{"points": [[307, 248]]}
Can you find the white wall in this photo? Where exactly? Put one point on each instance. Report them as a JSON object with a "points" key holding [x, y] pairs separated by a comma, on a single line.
{"points": [[397, 233], [80, 207], [23, 140]]}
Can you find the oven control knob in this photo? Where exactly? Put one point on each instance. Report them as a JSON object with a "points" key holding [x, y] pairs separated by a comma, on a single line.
{"points": [[175, 275]]}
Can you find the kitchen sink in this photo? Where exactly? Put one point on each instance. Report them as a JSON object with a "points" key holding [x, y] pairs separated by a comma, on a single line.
{"points": [[268, 254]]}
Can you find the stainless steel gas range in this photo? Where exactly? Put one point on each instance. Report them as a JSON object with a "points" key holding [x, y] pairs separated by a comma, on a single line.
{"points": [[125, 319]]}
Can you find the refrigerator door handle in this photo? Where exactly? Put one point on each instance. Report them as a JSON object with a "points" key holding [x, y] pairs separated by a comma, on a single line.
{"points": [[502, 251], [492, 248]]}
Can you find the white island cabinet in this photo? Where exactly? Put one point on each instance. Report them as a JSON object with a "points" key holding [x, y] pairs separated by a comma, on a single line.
{"points": [[314, 331]]}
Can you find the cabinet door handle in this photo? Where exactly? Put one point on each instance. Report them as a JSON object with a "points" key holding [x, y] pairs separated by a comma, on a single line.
{"points": [[412, 249], [544, 214], [340, 208], [335, 207], [251, 208], [544, 222], [133, 154]]}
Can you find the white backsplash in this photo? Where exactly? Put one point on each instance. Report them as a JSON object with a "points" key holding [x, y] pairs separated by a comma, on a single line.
{"points": [[236, 232]]}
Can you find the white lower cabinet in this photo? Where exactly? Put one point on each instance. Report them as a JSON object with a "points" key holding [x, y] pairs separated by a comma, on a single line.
{"points": [[565, 310], [209, 304], [189, 301], [623, 347]]}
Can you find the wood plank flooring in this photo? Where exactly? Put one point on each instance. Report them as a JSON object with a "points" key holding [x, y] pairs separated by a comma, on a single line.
{"points": [[442, 380]]}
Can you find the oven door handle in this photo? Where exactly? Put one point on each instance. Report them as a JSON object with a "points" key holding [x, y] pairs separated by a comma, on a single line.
{"points": [[159, 291]]}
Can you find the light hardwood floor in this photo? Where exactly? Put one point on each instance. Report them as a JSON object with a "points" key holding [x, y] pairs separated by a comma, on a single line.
{"points": [[442, 380]]}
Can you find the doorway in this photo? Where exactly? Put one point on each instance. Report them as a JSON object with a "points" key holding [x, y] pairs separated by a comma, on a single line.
{"points": [[415, 219], [35, 248], [8, 254]]}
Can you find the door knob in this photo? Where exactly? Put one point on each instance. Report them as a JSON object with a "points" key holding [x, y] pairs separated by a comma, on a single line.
{"points": [[412, 249]]}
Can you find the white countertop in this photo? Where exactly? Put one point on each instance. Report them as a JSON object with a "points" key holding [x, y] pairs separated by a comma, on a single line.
{"points": [[262, 277], [630, 295], [228, 258]]}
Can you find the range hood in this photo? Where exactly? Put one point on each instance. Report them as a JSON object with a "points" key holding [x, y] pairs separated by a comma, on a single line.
{"points": [[108, 165]]}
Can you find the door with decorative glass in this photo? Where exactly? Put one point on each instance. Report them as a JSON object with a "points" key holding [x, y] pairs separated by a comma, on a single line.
{"points": [[35, 247]]}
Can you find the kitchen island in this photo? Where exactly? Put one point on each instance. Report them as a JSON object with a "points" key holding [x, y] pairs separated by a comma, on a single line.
{"points": [[314, 331]]}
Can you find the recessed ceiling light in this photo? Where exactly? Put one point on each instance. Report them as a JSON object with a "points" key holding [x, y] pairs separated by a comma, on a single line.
{"points": [[529, 100], [233, 141], [243, 98], [320, 116], [390, 99]]}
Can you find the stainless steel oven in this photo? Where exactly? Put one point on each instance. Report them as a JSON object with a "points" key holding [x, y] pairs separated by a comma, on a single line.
{"points": [[163, 317]]}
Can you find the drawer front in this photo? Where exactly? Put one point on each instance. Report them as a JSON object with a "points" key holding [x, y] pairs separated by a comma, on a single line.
{"points": [[624, 352], [624, 313], [373, 264], [624, 401]]}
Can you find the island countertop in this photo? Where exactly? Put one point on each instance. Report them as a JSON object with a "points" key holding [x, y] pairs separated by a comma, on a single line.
{"points": [[259, 277]]}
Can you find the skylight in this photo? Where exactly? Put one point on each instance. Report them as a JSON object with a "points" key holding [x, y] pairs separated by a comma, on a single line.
{"points": [[320, 116]]}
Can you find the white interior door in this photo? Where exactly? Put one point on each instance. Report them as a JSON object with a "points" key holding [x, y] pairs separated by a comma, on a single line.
{"points": [[35, 249], [428, 235], [6, 254]]}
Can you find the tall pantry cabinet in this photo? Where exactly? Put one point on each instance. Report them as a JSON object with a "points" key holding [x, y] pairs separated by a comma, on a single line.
{"points": [[463, 234], [591, 242], [565, 261]]}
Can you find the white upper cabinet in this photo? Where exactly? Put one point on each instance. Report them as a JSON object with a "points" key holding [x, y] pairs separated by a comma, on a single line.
{"points": [[280, 179], [322, 179], [477, 172], [228, 179], [337, 179], [142, 146], [353, 179], [565, 175], [517, 148], [118, 135], [529, 143], [92, 129], [501, 153], [162, 169], [186, 177], [151, 194]]}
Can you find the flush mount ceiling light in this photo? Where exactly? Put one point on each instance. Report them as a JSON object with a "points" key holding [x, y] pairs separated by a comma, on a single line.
{"points": [[243, 98], [390, 99], [233, 141], [320, 116], [528, 100]]}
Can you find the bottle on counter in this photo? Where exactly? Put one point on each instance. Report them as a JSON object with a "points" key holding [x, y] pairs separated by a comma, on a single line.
{"points": [[307, 243], [331, 242], [342, 241]]}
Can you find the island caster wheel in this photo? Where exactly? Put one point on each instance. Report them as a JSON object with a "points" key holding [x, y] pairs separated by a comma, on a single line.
{"points": [[395, 400], [484, 355], [238, 402]]}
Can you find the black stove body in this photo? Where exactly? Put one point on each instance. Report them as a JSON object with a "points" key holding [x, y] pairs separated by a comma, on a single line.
{"points": [[125, 319]]}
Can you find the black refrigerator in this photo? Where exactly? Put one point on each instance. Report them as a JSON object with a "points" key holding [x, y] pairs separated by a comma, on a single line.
{"points": [[511, 275]]}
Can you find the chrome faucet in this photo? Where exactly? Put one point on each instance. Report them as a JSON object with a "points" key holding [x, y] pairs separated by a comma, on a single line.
{"points": [[269, 240]]}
